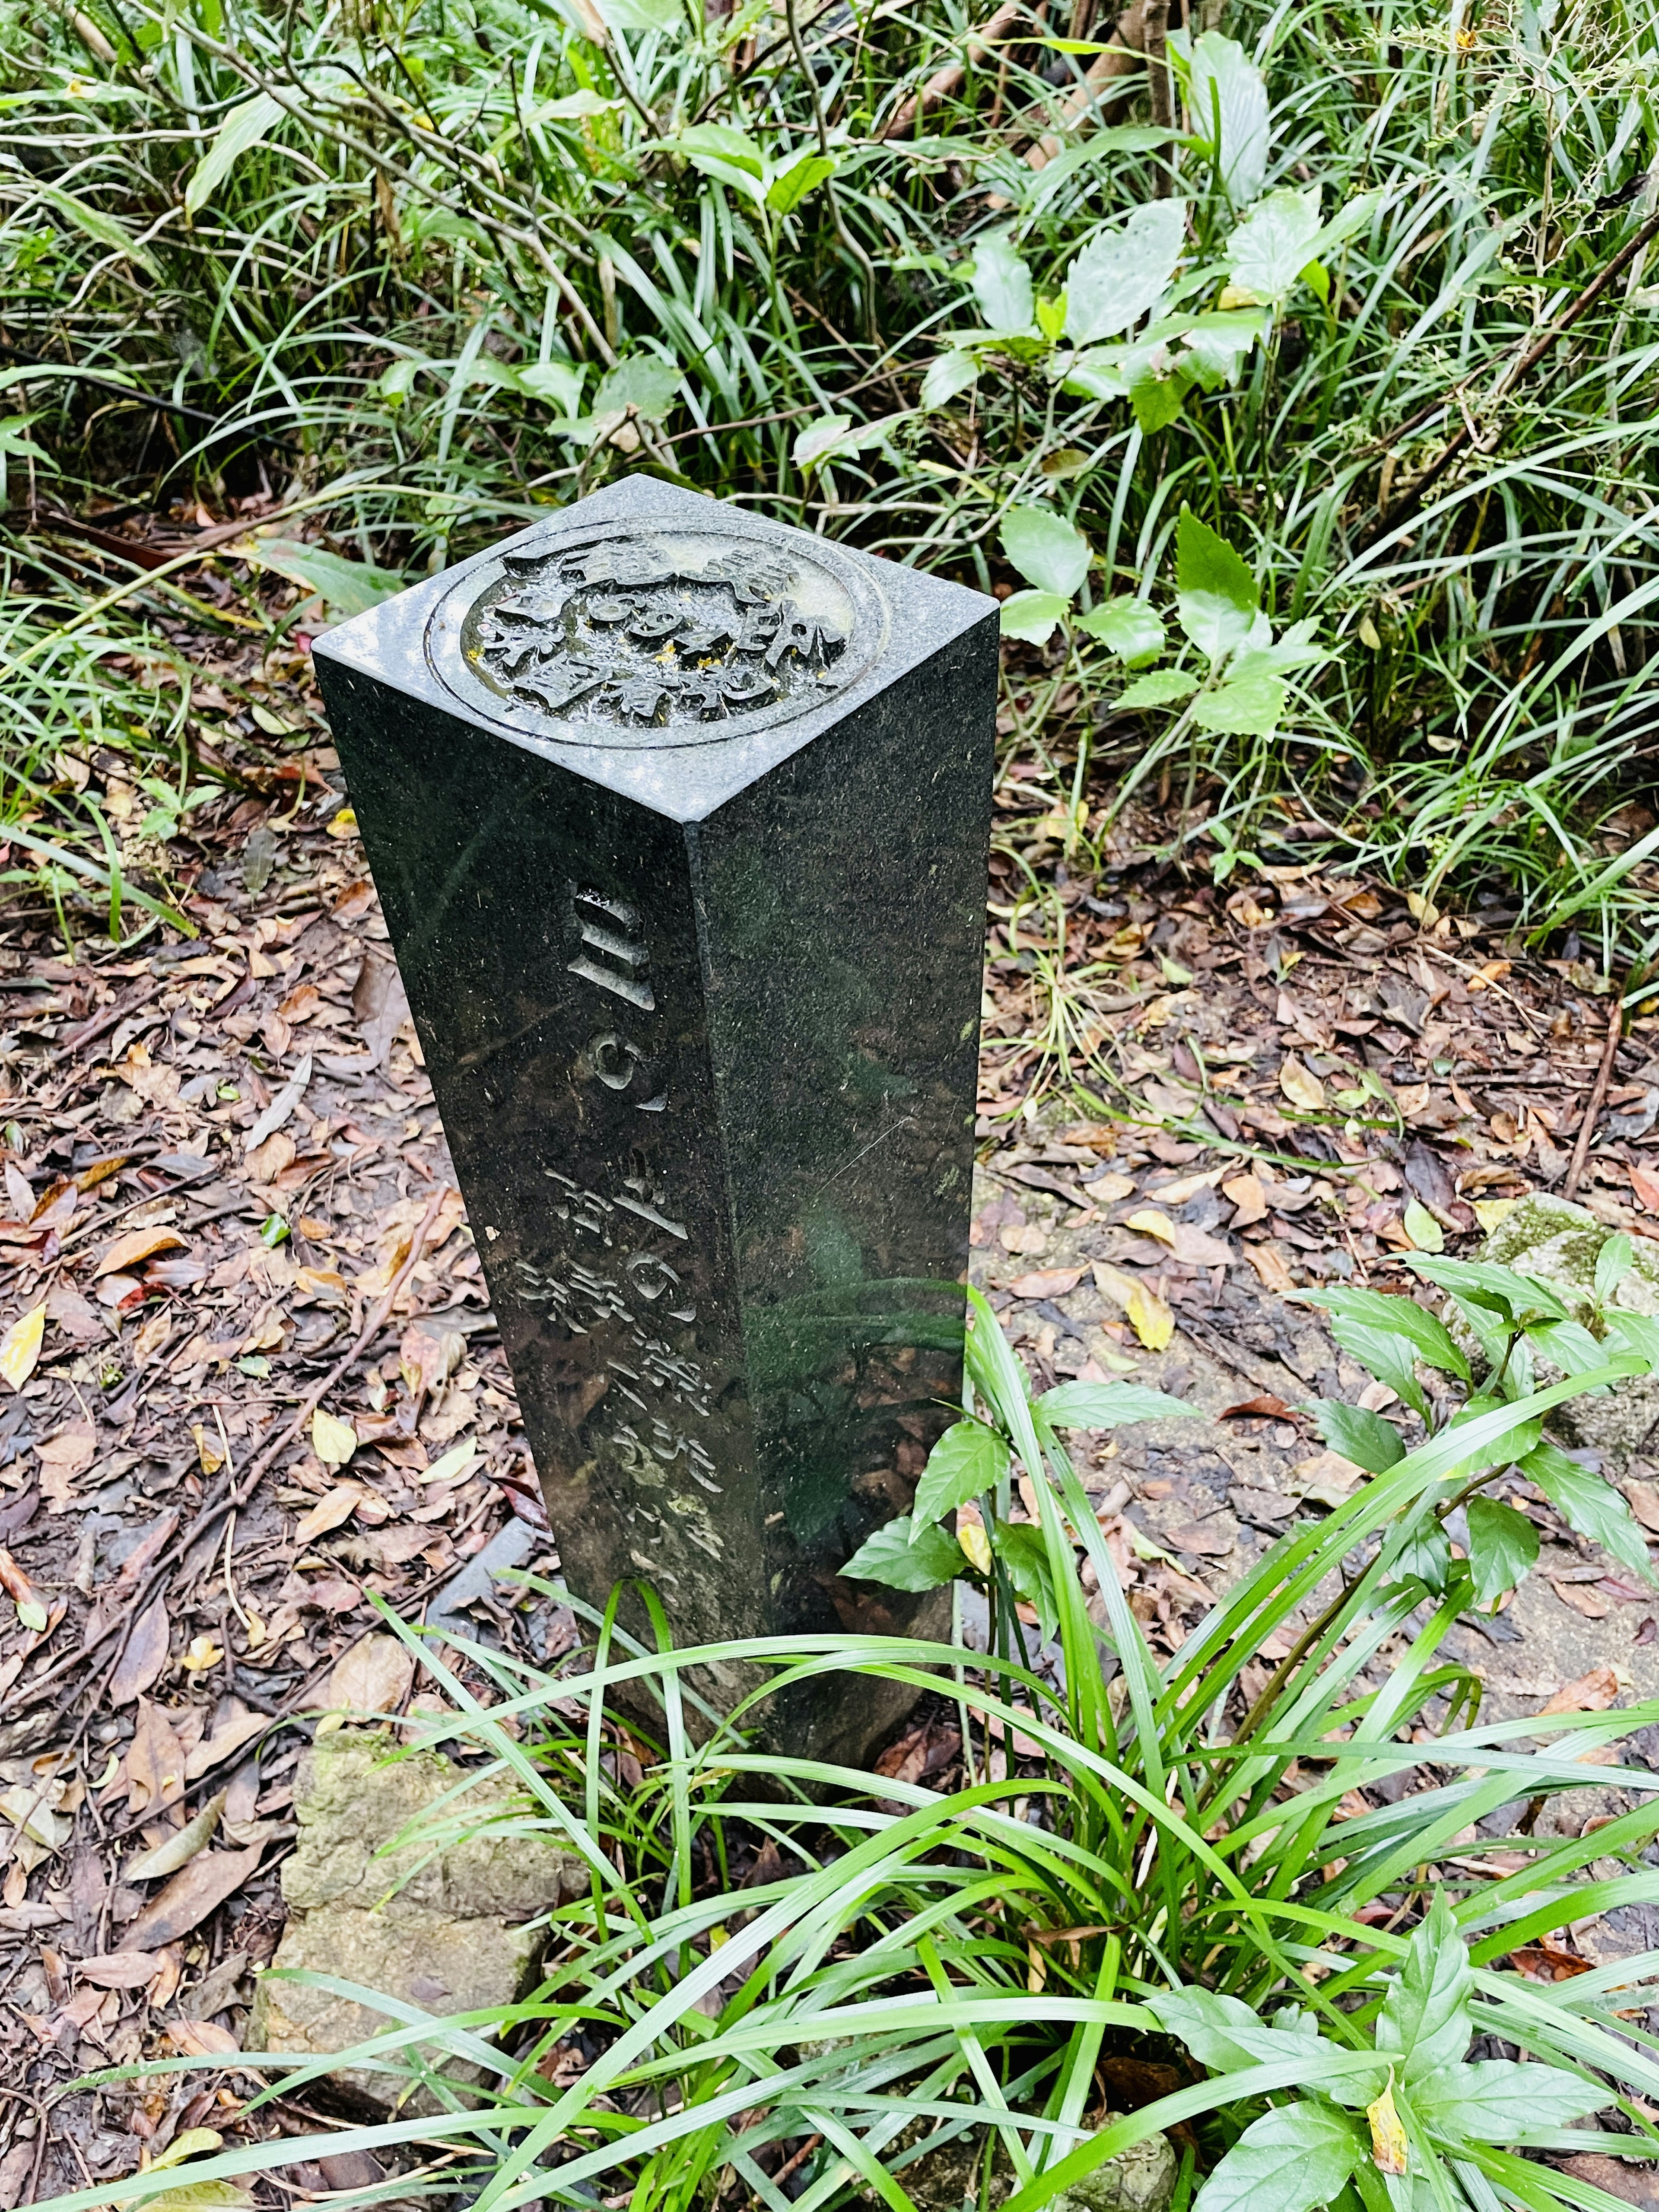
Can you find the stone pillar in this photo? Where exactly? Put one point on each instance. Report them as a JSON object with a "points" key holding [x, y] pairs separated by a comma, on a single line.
{"points": [[679, 819]]}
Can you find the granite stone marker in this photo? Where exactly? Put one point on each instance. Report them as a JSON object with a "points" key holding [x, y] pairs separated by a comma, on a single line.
{"points": [[679, 821]]}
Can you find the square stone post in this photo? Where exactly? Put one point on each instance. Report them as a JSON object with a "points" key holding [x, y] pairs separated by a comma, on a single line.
{"points": [[679, 820]]}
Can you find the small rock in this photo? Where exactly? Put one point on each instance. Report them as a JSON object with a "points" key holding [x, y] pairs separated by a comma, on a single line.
{"points": [[1140, 2179], [451, 1939], [1557, 1243]]}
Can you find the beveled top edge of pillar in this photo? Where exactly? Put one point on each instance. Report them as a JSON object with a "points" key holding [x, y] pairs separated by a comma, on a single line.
{"points": [[752, 638]]}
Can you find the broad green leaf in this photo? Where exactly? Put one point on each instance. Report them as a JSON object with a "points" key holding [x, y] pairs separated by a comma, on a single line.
{"points": [[716, 150], [1032, 615], [1156, 393], [948, 376], [1002, 286], [241, 130], [1288, 2160], [1222, 2033], [1424, 2020], [1162, 687], [790, 186], [1100, 374], [1122, 274], [1109, 1406], [1503, 1546], [1360, 1435], [1127, 628], [1020, 1547], [1426, 1553], [890, 1557], [1568, 1344], [1484, 1284], [968, 1460], [1217, 341], [558, 382], [1589, 1506], [346, 587], [1047, 550], [1274, 244], [1245, 705], [1227, 99], [1425, 1333], [1497, 2101], [1635, 1334], [1613, 1263], [645, 382], [818, 438], [1215, 593]]}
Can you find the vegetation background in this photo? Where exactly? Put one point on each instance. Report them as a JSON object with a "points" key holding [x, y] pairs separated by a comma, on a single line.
{"points": [[1289, 373], [306, 302]]}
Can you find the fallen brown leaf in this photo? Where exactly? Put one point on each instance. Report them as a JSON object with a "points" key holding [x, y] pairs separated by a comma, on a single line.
{"points": [[145, 1656], [154, 1765], [1582, 1600], [334, 1507], [1270, 1266], [118, 1970], [1046, 1283], [1301, 1086], [1247, 1197], [189, 1898], [137, 1244], [374, 1678], [1591, 1694], [1266, 1408]]}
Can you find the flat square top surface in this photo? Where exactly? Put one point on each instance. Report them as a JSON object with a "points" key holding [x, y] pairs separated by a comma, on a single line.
{"points": [[670, 646]]}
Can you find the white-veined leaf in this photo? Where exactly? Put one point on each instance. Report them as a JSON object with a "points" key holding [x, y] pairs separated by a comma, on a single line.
{"points": [[241, 130], [1047, 550], [1122, 274]]}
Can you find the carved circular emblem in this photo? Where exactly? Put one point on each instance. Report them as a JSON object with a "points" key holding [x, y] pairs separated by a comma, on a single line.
{"points": [[643, 634]]}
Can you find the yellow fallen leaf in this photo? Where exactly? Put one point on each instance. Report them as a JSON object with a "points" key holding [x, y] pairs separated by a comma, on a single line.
{"points": [[971, 1535], [19, 1347], [210, 1461], [331, 1439], [186, 2146], [344, 824], [1301, 1086], [1388, 2147], [1425, 1231], [1147, 1314], [1150, 1223], [203, 1653], [1427, 913], [1489, 1212], [453, 1464], [333, 1507]]}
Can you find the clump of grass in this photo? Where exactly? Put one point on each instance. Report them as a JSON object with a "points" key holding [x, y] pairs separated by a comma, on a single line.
{"points": [[1169, 1861], [483, 258]]}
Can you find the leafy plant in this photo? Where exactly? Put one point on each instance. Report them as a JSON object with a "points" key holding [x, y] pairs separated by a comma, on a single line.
{"points": [[1140, 1854], [1511, 1321]]}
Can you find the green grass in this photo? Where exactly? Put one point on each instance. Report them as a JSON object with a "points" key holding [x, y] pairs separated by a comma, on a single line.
{"points": [[1174, 1861], [449, 223]]}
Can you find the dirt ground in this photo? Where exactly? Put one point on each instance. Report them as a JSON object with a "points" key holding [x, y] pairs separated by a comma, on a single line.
{"points": [[251, 1382]]}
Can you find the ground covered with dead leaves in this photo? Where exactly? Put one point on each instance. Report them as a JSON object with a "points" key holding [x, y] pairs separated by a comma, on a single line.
{"points": [[252, 1385]]}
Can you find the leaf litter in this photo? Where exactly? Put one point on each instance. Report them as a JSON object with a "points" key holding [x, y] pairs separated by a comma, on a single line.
{"points": [[249, 1380]]}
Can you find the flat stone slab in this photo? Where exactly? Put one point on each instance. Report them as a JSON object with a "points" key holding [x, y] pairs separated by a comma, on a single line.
{"points": [[457, 1932]]}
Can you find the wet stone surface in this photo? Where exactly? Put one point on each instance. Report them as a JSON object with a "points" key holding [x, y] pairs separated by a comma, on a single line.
{"points": [[701, 1029]]}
